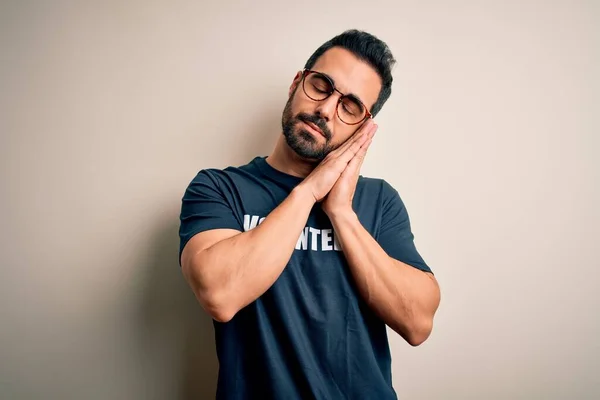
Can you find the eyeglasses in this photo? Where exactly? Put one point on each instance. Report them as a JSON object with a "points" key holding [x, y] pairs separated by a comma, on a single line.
{"points": [[318, 87]]}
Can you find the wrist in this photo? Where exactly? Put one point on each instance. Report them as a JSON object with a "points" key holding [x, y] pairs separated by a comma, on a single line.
{"points": [[304, 194], [345, 213]]}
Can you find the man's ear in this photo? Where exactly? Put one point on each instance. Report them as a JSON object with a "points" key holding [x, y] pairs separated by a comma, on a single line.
{"points": [[295, 82]]}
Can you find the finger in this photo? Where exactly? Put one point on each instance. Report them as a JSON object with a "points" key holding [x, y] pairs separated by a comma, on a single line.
{"points": [[357, 144], [365, 129], [356, 163], [351, 151]]}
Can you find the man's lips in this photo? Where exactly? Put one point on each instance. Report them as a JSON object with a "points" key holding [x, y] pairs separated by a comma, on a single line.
{"points": [[315, 128]]}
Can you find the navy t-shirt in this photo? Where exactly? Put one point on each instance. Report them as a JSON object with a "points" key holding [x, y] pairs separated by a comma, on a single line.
{"points": [[310, 335]]}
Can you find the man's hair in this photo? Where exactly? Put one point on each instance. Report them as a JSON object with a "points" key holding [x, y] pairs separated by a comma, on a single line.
{"points": [[368, 48]]}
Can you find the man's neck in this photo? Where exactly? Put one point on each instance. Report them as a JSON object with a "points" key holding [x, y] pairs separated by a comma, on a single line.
{"points": [[284, 159]]}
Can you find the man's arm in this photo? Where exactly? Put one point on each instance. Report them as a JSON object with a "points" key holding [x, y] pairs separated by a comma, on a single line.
{"points": [[227, 269], [404, 297]]}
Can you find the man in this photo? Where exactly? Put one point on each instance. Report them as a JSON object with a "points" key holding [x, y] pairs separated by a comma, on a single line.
{"points": [[300, 261]]}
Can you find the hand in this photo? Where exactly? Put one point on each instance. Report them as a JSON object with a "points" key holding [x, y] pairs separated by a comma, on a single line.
{"points": [[339, 198], [320, 181]]}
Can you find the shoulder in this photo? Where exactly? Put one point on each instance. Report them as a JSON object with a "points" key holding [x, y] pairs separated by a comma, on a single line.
{"points": [[220, 177], [379, 187], [208, 177]]}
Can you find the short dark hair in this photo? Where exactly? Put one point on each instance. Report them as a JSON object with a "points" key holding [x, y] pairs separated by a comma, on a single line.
{"points": [[367, 48]]}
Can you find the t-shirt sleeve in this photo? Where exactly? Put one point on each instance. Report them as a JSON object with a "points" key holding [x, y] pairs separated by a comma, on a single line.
{"points": [[395, 235], [204, 206]]}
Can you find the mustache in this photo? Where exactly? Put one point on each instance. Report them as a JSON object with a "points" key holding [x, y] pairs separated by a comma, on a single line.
{"points": [[319, 122]]}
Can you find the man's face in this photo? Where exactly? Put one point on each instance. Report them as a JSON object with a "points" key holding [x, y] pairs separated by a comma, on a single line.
{"points": [[350, 76]]}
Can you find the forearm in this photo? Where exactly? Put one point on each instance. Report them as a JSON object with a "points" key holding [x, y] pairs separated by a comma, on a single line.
{"points": [[241, 268], [404, 297]]}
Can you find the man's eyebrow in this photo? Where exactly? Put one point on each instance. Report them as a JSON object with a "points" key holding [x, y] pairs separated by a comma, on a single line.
{"points": [[346, 94]]}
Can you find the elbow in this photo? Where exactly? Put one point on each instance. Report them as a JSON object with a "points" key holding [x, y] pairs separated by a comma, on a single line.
{"points": [[420, 332], [423, 324], [212, 298], [218, 310], [415, 340]]}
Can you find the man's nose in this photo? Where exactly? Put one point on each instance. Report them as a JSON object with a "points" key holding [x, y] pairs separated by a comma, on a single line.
{"points": [[326, 108]]}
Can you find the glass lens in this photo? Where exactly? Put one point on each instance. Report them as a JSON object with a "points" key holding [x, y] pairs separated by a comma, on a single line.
{"points": [[317, 86], [350, 110]]}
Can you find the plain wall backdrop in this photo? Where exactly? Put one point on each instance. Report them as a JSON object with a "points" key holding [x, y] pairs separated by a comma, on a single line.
{"points": [[109, 109]]}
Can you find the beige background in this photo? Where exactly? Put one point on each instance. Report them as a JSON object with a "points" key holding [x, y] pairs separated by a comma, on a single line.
{"points": [[108, 110]]}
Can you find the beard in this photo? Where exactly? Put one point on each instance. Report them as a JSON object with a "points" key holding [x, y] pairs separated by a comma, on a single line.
{"points": [[299, 139]]}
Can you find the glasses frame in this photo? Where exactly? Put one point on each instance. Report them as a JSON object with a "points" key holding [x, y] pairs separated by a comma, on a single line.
{"points": [[306, 72]]}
